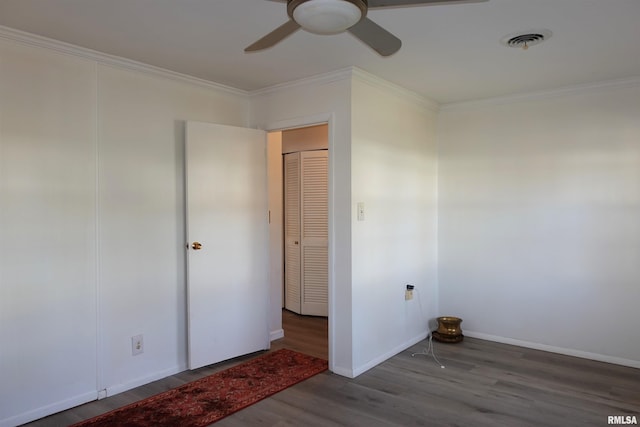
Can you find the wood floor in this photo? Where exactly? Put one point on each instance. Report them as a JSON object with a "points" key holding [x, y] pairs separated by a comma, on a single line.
{"points": [[483, 384]]}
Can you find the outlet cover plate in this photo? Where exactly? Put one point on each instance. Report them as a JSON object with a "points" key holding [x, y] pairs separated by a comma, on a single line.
{"points": [[137, 345]]}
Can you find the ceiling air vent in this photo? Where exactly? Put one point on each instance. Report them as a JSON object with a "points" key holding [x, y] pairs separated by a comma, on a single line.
{"points": [[525, 39]]}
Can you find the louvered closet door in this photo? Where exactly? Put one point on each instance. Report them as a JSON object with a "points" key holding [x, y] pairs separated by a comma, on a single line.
{"points": [[292, 232], [314, 230]]}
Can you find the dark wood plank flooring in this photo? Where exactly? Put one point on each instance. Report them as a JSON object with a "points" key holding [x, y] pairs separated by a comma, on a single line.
{"points": [[306, 334], [483, 384]]}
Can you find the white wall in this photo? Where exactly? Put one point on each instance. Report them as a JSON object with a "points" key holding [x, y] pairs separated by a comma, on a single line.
{"points": [[539, 230], [382, 149], [92, 224], [322, 99], [394, 173], [47, 232], [141, 217]]}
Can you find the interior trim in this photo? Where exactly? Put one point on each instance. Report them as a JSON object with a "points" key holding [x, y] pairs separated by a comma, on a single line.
{"points": [[544, 94], [34, 40]]}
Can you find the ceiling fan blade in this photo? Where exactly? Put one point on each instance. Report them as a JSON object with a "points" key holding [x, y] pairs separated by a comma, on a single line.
{"points": [[274, 36], [395, 3], [376, 37]]}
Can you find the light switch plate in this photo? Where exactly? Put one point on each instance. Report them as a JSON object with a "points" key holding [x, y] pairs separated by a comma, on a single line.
{"points": [[360, 211]]}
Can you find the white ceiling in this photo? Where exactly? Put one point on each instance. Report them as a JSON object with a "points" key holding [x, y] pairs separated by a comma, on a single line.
{"points": [[450, 53]]}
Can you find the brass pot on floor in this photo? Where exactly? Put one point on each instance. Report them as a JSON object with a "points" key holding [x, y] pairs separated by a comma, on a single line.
{"points": [[448, 330]]}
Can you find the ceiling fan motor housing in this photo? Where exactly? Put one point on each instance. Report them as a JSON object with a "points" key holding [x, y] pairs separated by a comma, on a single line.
{"points": [[327, 16]]}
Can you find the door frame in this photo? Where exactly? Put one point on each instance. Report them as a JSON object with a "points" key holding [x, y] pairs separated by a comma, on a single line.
{"points": [[301, 122]]}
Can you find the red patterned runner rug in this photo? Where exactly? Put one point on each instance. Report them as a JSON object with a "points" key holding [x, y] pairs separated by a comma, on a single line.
{"points": [[209, 399]]}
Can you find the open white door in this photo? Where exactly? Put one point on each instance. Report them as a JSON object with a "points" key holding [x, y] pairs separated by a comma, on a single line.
{"points": [[227, 232]]}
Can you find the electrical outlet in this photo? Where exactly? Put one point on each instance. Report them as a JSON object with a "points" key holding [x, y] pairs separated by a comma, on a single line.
{"points": [[137, 345], [408, 294]]}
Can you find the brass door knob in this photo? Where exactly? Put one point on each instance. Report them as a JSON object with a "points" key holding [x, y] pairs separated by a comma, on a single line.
{"points": [[196, 246]]}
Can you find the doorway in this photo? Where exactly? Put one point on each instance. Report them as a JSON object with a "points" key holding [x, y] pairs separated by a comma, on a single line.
{"points": [[248, 171], [298, 203]]}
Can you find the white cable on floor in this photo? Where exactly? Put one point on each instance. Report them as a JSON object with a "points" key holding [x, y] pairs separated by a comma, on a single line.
{"points": [[430, 349]]}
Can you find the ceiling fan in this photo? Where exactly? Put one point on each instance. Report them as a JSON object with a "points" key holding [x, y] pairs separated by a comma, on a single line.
{"points": [[337, 16]]}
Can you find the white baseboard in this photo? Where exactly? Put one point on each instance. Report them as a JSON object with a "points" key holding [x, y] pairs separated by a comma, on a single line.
{"points": [[48, 409], [374, 362], [276, 335], [120, 388], [554, 349], [343, 372]]}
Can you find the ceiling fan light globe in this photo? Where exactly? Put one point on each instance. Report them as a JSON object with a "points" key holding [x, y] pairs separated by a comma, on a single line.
{"points": [[327, 16]]}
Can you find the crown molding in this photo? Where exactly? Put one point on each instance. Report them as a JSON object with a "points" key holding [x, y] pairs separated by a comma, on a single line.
{"points": [[544, 94], [317, 80], [379, 82], [11, 34], [347, 74]]}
